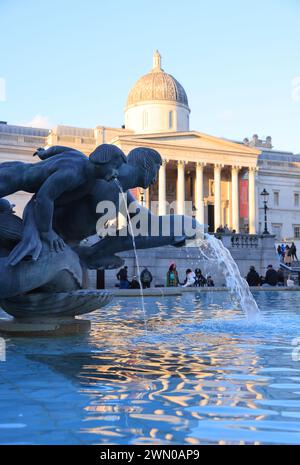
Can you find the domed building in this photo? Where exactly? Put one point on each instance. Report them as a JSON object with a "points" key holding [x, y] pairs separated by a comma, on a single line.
{"points": [[157, 103], [217, 180]]}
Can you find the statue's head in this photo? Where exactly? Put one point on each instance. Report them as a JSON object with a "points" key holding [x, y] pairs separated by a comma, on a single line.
{"points": [[107, 158], [147, 162]]}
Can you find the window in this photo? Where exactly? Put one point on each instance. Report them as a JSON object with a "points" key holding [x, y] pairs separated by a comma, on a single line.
{"points": [[211, 187], [296, 199], [276, 230], [276, 198], [296, 231], [170, 119]]}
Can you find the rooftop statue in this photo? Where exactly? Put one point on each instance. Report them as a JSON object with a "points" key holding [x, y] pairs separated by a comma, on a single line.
{"points": [[42, 259]]}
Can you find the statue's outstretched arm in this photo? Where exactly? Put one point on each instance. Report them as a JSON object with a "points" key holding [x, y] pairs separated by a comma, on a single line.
{"points": [[168, 230]]}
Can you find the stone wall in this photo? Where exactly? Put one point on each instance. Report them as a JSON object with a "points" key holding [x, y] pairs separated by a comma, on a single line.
{"points": [[260, 252]]}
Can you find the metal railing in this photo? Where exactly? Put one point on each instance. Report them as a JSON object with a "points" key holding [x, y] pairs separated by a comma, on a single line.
{"points": [[241, 240]]}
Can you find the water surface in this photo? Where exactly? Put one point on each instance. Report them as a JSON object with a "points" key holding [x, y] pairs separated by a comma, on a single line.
{"points": [[202, 374]]}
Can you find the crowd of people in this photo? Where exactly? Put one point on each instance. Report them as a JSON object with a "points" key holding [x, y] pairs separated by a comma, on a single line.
{"points": [[192, 279], [287, 253], [272, 278], [135, 283], [225, 230], [196, 278]]}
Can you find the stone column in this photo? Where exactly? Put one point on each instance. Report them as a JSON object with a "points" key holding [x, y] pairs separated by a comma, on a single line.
{"points": [[235, 215], [252, 200], [162, 210], [199, 194], [217, 195], [180, 188]]}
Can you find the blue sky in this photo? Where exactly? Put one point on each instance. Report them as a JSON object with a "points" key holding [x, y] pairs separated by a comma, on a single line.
{"points": [[74, 62]]}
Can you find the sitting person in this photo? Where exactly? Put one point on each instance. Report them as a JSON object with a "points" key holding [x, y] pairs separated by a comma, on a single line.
{"points": [[253, 278], [280, 276], [134, 283], [290, 282], [209, 282], [271, 278], [200, 280], [146, 278], [189, 278]]}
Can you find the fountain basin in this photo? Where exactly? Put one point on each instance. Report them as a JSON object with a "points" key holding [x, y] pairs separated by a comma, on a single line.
{"points": [[51, 313]]}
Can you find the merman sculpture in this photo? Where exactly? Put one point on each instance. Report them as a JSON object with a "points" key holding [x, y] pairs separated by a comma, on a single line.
{"points": [[42, 263]]}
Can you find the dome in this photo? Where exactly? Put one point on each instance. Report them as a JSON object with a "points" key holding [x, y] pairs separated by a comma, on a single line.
{"points": [[157, 85], [157, 103]]}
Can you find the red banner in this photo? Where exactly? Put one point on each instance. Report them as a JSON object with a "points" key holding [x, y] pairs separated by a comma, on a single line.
{"points": [[135, 192], [244, 198]]}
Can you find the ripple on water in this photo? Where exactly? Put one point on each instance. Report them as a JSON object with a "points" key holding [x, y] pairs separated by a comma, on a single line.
{"points": [[201, 374]]}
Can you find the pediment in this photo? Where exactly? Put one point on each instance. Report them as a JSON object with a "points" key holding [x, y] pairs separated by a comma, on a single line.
{"points": [[193, 139]]}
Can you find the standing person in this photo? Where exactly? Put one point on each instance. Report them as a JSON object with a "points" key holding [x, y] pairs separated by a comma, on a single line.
{"points": [[200, 279], [122, 276], [146, 278], [190, 278], [288, 256], [279, 251], [172, 276], [294, 251], [253, 278]]}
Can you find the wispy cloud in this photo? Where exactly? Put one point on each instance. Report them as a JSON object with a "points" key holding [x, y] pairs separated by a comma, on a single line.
{"points": [[2, 90], [225, 115], [296, 89], [39, 121]]}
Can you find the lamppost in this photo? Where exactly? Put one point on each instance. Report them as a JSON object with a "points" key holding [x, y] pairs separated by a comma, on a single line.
{"points": [[265, 196]]}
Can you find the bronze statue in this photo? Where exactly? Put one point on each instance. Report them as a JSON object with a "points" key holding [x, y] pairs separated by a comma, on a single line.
{"points": [[63, 174], [42, 262]]}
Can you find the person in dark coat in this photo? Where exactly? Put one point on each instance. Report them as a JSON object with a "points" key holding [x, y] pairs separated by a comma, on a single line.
{"points": [[134, 283], [253, 278], [210, 282], [146, 278], [293, 250], [271, 277], [200, 279], [122, 276], [280, 275]]}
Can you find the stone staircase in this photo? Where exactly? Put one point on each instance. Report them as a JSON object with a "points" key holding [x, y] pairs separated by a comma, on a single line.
{"points": [[293, 270]]}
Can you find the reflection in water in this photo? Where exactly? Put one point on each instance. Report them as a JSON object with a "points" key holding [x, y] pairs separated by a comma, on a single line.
{"points": [[201, 374]]}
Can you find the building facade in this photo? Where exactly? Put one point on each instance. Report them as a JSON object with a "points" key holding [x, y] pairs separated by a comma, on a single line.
{"points": [[218, 181]]}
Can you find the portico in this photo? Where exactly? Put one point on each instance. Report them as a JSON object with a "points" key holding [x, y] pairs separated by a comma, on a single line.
{"points": [[203, 175]]}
